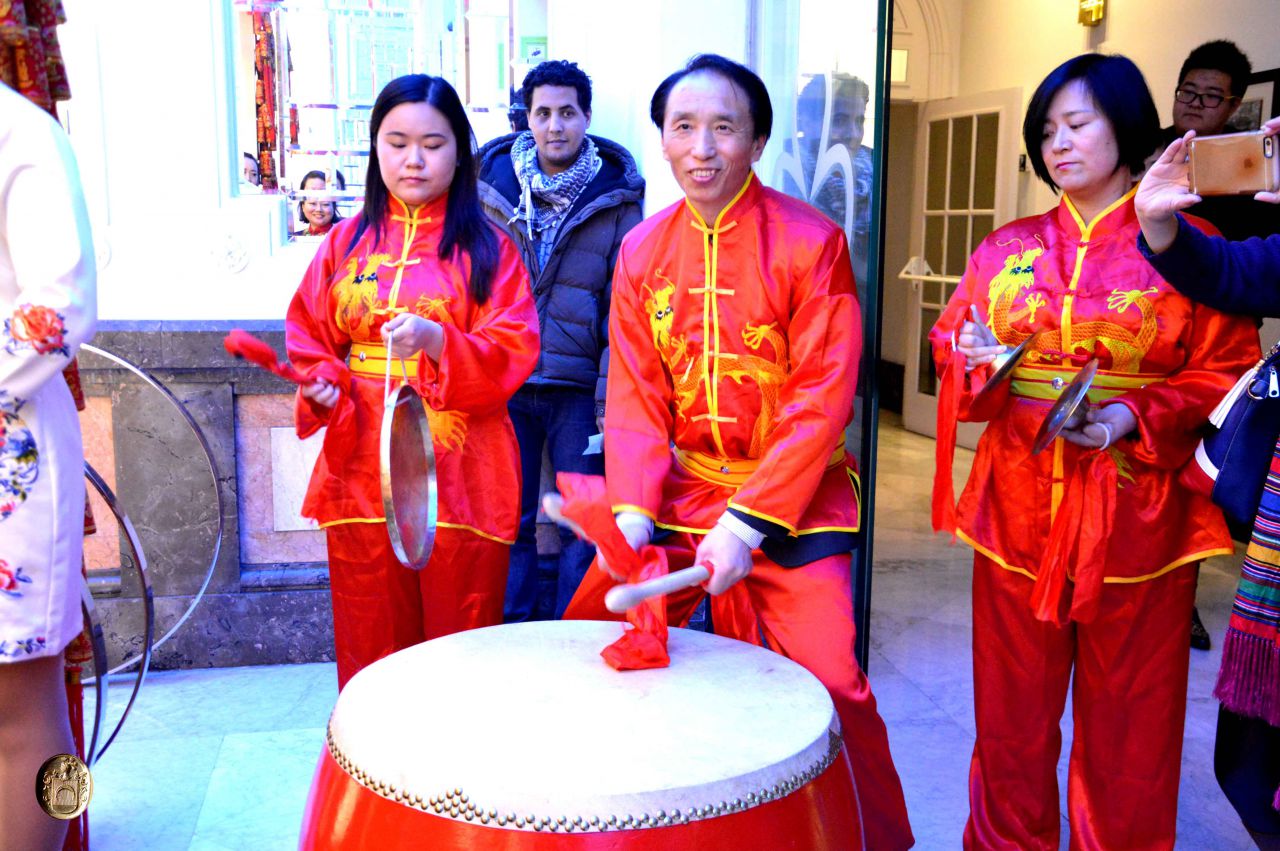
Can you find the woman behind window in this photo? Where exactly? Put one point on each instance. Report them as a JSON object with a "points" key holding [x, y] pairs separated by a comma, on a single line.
{"points": [[421, 276], [318, 214], [1086, 554]]}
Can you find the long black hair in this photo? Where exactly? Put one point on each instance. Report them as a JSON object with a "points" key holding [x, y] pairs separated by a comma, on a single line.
{"points": [[1118, 90], [466, 229]]}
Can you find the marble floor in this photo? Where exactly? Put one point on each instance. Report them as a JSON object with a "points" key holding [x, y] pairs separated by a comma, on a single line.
{"points": [[222, 759]]}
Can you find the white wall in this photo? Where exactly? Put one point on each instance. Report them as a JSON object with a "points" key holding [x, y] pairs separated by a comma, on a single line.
{"points": [[628, 49], [1001, 48], [150, 123]]}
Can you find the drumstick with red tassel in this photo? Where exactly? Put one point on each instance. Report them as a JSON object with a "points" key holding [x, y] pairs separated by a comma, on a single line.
{"points": [[243, 345], [628, 596], [585, 509]]}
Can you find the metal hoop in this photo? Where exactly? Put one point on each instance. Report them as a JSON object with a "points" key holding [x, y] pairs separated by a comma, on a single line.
{"points": [[149, 620], [99, 646], [217, 489]]}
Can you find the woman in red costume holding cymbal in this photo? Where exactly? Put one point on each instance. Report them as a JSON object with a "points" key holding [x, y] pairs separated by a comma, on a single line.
{"points": [[1087, 553], [421, 267]]}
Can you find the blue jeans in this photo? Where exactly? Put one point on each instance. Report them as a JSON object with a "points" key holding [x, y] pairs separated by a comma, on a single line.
{"points": [[562, 418]]}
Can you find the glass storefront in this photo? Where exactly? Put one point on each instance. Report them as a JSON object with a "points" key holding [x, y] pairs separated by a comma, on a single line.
{"points": [[822, 61]]}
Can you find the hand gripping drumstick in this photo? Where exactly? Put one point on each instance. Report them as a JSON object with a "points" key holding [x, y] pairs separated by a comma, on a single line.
{"points": [[620, 598]]}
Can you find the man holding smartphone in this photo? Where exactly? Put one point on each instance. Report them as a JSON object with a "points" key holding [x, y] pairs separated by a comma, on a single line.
{"points": [[1211, 84]]}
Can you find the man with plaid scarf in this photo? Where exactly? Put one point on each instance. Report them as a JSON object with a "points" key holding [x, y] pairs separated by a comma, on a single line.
{"points": [[566, 198]]}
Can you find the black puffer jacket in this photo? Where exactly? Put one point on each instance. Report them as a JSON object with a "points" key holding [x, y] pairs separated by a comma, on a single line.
{"points": [[572, 291]]}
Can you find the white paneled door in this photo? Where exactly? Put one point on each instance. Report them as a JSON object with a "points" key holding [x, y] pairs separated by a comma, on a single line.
{"points": [[965, 186]]}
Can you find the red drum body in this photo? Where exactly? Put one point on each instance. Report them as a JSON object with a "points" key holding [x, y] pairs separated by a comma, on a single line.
{"points": [[520, 737]]}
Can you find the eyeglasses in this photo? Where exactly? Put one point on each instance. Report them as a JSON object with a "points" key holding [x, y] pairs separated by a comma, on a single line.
{"points": [[1208, 101]]}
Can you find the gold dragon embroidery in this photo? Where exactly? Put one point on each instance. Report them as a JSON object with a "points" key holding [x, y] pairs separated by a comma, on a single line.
{"points": [[448, 428], [1127, 348], [357, 297], [689, 372]]}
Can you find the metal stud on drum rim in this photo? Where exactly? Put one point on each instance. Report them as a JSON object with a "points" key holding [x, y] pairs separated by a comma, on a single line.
{"points": [[408, 472]]}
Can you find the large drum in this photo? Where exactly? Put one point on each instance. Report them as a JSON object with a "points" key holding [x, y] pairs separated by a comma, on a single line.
{"points": [[520, 737]]}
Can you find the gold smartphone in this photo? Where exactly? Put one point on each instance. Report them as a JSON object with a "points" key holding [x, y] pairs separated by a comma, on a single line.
{"points": [[1234, 164]]}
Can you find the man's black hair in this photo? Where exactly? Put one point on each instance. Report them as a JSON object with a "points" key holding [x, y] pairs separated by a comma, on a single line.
{"points": [[557, 72], [740, 75], [1220, 55]]}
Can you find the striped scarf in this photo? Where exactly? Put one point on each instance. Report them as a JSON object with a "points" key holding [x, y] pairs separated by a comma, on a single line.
{"points": [[545, 199], [1249, 680]]}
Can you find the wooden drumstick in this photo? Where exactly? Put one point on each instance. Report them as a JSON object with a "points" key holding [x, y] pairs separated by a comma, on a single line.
{"points": [[553, 505], [623, 597]]}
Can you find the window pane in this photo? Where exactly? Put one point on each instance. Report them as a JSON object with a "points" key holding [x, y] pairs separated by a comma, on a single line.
{"points": [[927, 377], [957, 244], [984, 167], [933, 227], [936, 167], [961, 162], [932, 292], [982, 225]]}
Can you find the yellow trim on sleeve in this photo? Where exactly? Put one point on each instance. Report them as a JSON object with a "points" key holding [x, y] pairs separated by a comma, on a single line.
{"points": [[621, 507], [762, 516], [671, 527], [817, 529]]}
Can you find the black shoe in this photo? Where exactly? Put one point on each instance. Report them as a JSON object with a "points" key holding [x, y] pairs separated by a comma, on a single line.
{"points": [[1199, 635]]}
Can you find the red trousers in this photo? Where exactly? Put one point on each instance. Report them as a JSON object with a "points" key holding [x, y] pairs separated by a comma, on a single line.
{"points": [[1127, 670], [380, 606], [806, 614]]}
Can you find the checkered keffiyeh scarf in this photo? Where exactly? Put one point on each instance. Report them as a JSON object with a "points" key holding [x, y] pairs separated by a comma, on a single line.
{"points": [[546, 199]]}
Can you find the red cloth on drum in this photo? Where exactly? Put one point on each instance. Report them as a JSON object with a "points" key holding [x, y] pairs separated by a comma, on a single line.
{"points": [[380, 606], [587, 504], [1129, 688], [806, 614]]}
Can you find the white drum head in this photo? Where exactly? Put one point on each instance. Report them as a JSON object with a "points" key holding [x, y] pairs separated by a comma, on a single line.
{"points": [[524, 724]]}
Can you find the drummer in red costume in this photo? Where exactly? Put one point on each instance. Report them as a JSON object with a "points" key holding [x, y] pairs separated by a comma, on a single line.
{"points": [[422, 266], [735, 335], [1086, 554]]}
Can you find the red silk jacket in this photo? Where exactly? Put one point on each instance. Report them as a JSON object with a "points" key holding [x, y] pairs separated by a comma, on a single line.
{"points": [[489, 350], [1168, 359], [733, 365]]}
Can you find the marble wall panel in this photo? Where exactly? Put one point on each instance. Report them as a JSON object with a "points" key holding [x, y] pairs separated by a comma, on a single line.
{"points": [[263, 538], [166, 487], [226, 630], [101, 550], [292, 461]]}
